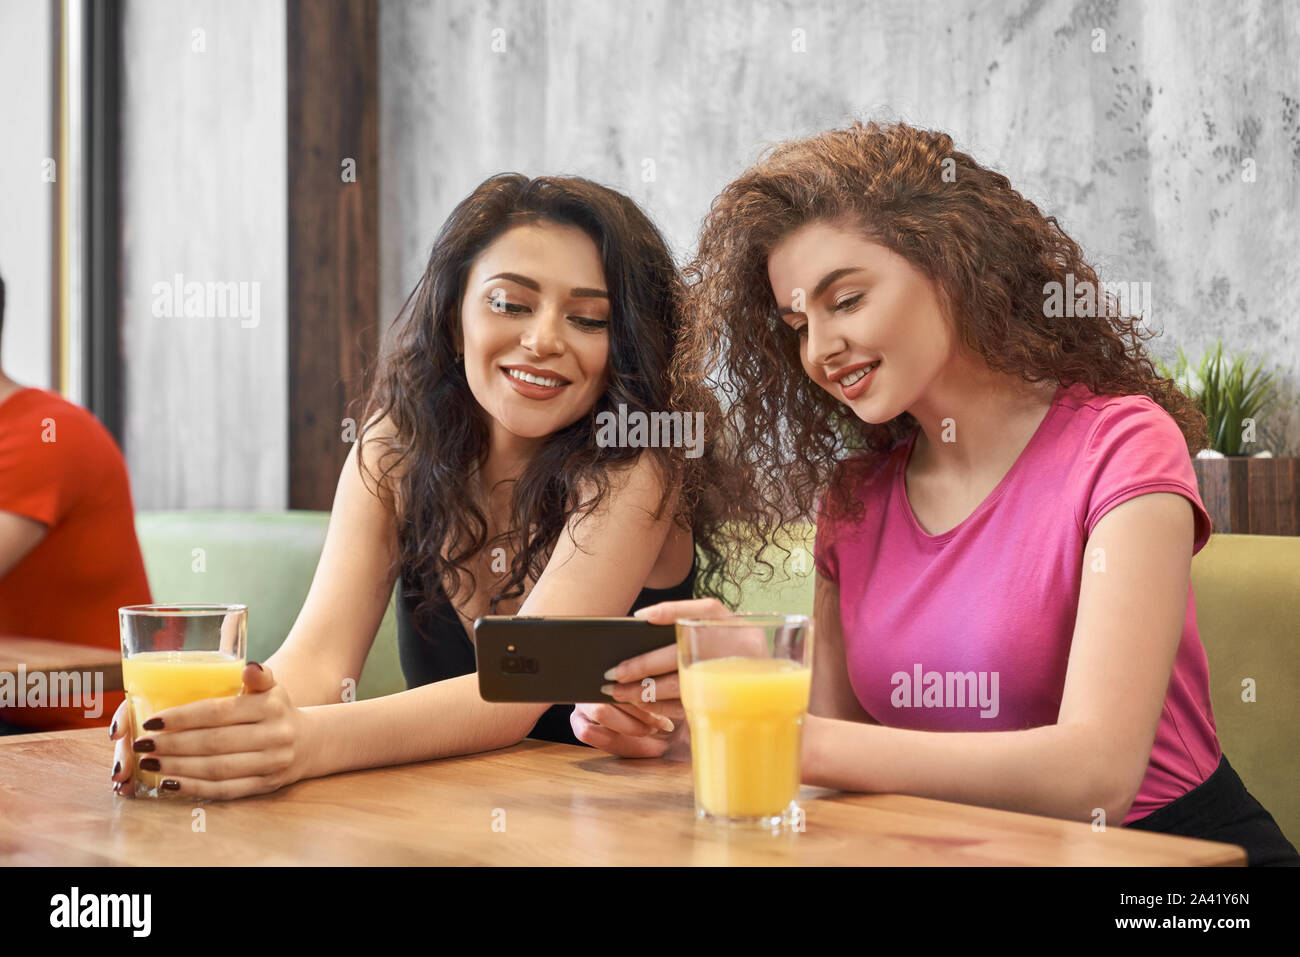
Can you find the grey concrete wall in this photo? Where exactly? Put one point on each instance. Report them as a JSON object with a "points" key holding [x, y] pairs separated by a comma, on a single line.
{"points": [[203, 196], [1137, 148], [26, 198]]}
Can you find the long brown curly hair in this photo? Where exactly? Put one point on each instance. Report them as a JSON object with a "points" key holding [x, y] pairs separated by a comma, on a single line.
{"points": [[441, 432], [990, 253]]}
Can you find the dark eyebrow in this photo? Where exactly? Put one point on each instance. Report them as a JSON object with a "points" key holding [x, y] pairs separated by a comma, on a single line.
{"points": [[822, 286], [515, 277], [579, 292]]}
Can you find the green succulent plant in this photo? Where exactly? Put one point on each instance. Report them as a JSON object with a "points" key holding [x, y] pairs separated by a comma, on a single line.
{"points": [[1224, 392]]}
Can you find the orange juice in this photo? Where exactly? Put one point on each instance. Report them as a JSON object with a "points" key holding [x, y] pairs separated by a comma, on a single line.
{"points": [[154, 680], [746, 717]]}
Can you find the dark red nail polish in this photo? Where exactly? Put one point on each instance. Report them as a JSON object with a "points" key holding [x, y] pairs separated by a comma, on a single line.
{"points": [[150, 764], [143, 744], [170, 785], [153, 724], [116, 768], [113, 730]]}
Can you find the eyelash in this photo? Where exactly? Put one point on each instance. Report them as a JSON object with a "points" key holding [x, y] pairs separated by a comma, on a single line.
{"points": [[582, 322], [844, 305]]}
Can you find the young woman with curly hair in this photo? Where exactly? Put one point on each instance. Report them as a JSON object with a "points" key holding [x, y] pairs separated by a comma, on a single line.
{"points": [[478, 481], [1009, 513]]}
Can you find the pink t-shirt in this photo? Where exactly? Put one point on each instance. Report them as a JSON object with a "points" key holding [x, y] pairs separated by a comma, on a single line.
{"points": [[970, 630]]}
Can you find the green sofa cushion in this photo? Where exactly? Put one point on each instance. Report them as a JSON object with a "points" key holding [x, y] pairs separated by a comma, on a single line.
{"points": [[1247, 590], [264, 560]]}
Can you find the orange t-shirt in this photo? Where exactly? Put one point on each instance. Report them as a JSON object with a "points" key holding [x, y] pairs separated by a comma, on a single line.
{"points": [[61, 467]]}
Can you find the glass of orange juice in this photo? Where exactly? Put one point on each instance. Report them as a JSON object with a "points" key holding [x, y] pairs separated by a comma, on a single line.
{"points": [[176, 654], [745, 681]]}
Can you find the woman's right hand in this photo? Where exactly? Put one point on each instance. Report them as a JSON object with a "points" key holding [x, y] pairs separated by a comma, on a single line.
{"points": [[623, 729], [646, 718], [636, 723]]}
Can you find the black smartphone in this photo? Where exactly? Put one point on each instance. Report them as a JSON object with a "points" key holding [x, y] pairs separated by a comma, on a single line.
{"points": [[557, 660]]}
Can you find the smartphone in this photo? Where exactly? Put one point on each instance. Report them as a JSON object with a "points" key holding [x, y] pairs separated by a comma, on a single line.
{"points": [[558, 660]]}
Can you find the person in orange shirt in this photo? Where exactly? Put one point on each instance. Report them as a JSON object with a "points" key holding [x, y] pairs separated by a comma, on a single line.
{"points": [[68, 552]]}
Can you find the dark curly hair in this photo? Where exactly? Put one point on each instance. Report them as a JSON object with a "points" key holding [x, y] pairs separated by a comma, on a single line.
{"points": [[440, 432], [988, 250]]}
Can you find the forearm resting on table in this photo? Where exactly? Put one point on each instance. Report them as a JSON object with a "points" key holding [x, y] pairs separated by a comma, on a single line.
{"points": [[1056, 770], [432, 721], [307, 682]]}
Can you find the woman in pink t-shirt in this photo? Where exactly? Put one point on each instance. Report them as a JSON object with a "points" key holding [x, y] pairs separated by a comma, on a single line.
{"points": [[1005, 556]]}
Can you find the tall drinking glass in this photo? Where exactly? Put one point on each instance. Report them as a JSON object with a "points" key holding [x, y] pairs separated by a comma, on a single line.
{"points": [[177, 654], [745, 681]]}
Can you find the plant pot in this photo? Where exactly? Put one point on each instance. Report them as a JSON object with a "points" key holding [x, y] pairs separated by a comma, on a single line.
{"points": [[1251, 496]]}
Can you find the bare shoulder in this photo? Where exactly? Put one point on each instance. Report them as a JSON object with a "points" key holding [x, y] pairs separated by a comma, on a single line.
{"points": [[383, 459], [638, 482], [644, 473]]}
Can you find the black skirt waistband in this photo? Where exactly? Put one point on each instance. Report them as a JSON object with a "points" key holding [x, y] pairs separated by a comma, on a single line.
{"points": [[1221, 809]]}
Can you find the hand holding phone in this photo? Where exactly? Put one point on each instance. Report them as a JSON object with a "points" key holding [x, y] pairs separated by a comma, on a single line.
{"points": [[600, 727]]}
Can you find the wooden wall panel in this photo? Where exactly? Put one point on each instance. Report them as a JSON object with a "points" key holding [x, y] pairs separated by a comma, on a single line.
{"points": [[333, 232], [1251, 496]]}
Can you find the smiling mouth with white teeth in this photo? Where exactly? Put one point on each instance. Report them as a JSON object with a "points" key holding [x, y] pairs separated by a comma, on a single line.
{"points": [[853, 377], [534, 379]]}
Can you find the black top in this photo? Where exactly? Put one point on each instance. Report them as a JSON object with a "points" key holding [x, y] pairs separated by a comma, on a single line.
{"points": [[445, 651]]}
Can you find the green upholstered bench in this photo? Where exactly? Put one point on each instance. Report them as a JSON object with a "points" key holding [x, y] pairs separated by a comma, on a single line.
{"points": [[1247, 590], [264, 560]]}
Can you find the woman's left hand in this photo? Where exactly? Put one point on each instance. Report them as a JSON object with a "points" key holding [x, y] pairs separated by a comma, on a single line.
{"points": [[223, 748]]}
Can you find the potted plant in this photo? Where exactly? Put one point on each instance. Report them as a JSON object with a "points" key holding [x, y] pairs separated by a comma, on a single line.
{"points": [[1246, 489]]}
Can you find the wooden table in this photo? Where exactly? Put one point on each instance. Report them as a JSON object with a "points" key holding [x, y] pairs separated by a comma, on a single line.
{"points": [[43, 655], [534, 803]]}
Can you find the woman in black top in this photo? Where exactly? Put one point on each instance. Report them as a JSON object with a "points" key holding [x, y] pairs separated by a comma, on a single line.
{"points": [[488, 477]]}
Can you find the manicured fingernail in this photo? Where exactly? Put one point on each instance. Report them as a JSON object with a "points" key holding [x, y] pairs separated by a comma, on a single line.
{"points": [[143, 744], [256, 665], [610, 676], [665, 723], [116, 768], [607, 689], [170, 785], [150, 764], [113, 730], [153, 724], [117, 788], [641, 612]]}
